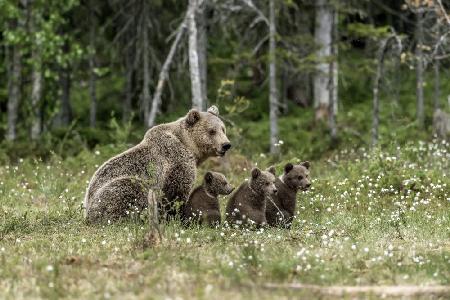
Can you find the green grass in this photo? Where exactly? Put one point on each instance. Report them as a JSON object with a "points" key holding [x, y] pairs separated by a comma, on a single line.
{"points": [[376, 217]]}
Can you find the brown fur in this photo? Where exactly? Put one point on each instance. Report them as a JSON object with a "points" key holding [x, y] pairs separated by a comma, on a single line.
{"points": [[248, 204], [203, 205], [280, 208], [166, 159]]}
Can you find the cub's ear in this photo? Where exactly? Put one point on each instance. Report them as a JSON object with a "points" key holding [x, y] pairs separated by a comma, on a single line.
{"points": [[288, 167], [192, 117], [208, 177], [306, 164], [255, 173], [213, 110], [272, 170]]}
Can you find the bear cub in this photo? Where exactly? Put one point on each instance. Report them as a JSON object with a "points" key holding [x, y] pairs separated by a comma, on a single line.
{"points": [[247, 205], [203, 205], [280, 208]]}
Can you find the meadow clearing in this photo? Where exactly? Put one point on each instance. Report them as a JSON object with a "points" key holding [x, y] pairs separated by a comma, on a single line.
{"points": [[372, 218]]}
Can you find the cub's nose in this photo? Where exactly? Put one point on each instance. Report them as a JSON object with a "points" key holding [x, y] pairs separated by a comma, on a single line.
{"points": [[275, 191], [226, 147], [308, 185]]}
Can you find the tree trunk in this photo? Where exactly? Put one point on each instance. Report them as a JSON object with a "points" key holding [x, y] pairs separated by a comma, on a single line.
{"points": [[437, 86], [126, 110], [146, 98], [202, 43], [194, 65], [14, 90], [92, 66], [334, 80], [37, 83], [156, 102], [376, 91], [274, 140], [65, 116], [323, 38], [419, 68]]}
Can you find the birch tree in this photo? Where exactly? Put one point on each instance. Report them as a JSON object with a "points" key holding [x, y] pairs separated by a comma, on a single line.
{"points": [[202, 38], [36, 75], [323, 37], [273, 97], [194, 65]]}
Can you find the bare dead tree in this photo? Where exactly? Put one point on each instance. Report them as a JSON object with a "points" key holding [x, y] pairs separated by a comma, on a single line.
{"points": [[382, 50], [156, 102]]}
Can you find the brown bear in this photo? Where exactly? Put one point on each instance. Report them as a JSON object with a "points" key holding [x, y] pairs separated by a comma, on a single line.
{"points": [[247, 205], [203, 205], [280, 208], [165, 160]]}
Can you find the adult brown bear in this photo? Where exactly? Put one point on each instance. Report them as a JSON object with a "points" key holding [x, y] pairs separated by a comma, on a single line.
{"points": [[166, 159]]}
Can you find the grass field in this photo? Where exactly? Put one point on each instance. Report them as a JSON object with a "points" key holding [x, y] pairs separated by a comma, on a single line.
{"points": [[372, 218]]}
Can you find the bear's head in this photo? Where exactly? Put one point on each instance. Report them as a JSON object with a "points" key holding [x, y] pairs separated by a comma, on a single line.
{"points": [[217, 184], [296, 177], [263, 182], [207, 132]]}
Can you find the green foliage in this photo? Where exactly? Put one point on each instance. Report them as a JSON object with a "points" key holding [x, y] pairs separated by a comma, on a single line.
{"points": [[368, 30]]}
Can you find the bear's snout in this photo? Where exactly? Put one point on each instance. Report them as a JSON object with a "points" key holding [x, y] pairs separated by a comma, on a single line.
{"points": [[306, 186], [230, 189], [226, 147]]}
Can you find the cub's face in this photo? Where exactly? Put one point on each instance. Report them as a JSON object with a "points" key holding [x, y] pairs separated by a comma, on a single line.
{"points": [[297, 176], [263, 182], [217, 183], [208, 133]]}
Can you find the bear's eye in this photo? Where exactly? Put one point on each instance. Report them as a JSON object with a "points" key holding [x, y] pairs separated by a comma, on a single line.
{"points": [[300, 177], [267, 183], [212, 132]]}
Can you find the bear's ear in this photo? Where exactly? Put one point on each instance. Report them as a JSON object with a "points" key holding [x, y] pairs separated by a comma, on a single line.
{"points": [[208, 177], [288, 167], [306, 164], [255, 173], [272, 170], [192, 117], [213, 110]]}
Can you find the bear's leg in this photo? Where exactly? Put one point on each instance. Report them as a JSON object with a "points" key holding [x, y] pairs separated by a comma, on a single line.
{"points": [[212, 218], [122, 197], [259, 219]]}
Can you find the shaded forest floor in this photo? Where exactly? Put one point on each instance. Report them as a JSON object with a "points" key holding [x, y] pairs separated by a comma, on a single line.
{"points": [[377, 217]]}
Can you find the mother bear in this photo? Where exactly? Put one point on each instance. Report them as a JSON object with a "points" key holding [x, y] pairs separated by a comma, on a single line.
{"points": [[166, 159]]}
